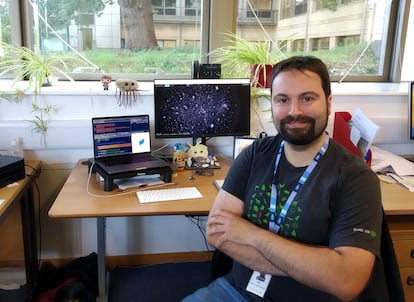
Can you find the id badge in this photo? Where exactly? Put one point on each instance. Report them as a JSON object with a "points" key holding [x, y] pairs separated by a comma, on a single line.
{"points": [[258, 283]]}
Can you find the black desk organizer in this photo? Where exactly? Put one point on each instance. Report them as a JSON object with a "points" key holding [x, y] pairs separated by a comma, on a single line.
{"points": [[165, 173]]}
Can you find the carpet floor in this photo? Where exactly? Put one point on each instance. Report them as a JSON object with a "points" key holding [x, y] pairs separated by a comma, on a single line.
{"points": [[14, 295], [161, 282], [168, 282]]}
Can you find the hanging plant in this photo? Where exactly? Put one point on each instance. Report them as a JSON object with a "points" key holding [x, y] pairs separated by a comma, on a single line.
{"points": [[39, 121], [24, 64]]}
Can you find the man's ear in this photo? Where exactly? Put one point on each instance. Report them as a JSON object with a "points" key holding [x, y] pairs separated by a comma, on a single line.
{"points": [[329, 104]]}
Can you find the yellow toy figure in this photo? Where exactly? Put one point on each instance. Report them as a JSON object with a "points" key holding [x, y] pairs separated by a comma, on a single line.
{"points": [[197, 155]]}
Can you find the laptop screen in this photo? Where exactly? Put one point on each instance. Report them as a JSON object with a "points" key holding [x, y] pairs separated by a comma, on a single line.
{"points": [[121, 135]]}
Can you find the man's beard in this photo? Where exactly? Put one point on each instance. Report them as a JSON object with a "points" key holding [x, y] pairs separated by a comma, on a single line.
{"points": [[300, 136]]}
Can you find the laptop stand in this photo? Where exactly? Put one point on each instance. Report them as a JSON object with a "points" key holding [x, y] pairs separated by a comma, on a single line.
{"points": [[165, 173]]}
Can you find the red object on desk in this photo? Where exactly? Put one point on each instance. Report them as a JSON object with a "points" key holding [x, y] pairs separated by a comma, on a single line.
{"points": [[342, 132]]}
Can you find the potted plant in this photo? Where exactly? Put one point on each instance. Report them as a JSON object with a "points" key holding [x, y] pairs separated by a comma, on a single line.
{"points": [[243, 58], [39, 70], [25, 64]]}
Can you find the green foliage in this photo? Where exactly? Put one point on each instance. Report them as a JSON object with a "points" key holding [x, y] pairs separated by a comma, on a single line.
{"points": [[15, 97], [5, 28], [333, 4], [40, 121], [178, 60], [60, 13], [174, 60], [340, 59], [23, 63], [38, 69], [238, 56]]}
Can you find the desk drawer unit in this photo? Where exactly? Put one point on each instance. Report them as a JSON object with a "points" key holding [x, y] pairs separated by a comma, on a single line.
{"points": [[402, 233], [407, 276]]}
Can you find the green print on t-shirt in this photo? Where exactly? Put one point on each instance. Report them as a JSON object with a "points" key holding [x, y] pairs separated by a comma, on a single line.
{"points": [[258, 209]]}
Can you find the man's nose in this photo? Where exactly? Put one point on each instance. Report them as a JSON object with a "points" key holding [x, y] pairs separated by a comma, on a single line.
{"points": [[295, 108]]}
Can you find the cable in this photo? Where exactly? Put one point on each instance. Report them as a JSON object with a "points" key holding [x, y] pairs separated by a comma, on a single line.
{"points": [[195, 31], [161, 148], [196, 220], [36, 185], [64, 42], [263, 29], [354, 64]]}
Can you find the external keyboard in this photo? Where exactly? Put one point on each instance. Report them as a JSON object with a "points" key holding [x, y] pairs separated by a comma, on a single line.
{"points": [[168, 194]]}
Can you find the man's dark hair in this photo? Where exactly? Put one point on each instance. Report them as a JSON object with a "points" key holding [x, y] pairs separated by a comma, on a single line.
{"points": [[303, 63]]}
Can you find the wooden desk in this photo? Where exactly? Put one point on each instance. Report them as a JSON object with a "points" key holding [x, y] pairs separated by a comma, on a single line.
{"points": [[74, 201], [23, 193]]}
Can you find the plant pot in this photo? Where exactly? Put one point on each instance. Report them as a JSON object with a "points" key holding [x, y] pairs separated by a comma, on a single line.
{"points": [[260, 75]]}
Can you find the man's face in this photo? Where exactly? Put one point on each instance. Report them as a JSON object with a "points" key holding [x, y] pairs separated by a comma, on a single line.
{"points": [[300, 108]]}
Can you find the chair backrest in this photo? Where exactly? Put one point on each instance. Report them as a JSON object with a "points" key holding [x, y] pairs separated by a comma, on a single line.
{"points": [[385, 284], [220, 264]]}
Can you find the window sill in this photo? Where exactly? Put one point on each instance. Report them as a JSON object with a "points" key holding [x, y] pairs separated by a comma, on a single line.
{"points": [[146, 88]]}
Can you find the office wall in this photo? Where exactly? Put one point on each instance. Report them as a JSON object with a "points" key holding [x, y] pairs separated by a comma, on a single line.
{"points": [[69, 139]]}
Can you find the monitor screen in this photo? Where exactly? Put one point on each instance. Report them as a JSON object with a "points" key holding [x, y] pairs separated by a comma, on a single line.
{"points": [[201, 108], [411, 109]]}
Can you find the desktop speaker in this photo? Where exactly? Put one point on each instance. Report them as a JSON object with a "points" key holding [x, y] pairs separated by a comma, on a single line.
{"points": [[205, 71], [210, 71], [11, 169]]}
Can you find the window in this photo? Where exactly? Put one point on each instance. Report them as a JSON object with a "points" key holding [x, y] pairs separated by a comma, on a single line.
{"points": [[5, 26], [346, 40], [298, 45], [408, 62], [164, 7], [102, 35], [320, 44], [339, 32], [301, 7]]}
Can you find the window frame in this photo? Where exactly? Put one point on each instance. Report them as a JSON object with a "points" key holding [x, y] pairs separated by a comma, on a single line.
{"points": [[212, 27]]}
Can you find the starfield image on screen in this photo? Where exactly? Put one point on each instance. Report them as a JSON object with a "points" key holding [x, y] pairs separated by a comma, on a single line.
{"points": [[202, 109]]}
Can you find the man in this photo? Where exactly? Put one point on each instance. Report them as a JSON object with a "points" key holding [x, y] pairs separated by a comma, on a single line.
{"points": [[299, 214]]}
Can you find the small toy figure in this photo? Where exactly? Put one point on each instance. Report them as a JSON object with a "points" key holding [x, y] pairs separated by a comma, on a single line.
{"points": [[126, 91], [197, 154], [105, 80]]}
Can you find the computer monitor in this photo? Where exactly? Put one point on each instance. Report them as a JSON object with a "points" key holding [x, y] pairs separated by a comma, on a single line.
{"points": [[411, 109], [201, 108]]}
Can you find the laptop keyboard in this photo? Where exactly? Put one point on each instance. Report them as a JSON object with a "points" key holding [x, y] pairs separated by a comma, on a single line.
{"points": [[168, 194]]}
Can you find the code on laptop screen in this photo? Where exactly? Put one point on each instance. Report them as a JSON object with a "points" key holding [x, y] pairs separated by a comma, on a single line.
{"points": [[121, 135]]}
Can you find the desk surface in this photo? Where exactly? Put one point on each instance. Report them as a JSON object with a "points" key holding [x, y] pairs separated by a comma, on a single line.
{"points": [[74, 201], [397, 200], [11, 193]]}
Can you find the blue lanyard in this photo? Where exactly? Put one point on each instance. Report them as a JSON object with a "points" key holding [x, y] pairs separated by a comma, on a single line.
{"points": [[274, 224]]}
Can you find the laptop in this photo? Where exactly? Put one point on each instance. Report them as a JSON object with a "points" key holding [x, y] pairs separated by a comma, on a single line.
{"points": [[122, 144]]}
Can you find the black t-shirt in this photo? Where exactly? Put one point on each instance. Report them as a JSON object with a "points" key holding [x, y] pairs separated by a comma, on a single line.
{"points": [[339, 205]]}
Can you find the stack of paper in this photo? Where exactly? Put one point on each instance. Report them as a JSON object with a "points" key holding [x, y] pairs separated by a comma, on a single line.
{"points": [[138, 181], [397, 168]]}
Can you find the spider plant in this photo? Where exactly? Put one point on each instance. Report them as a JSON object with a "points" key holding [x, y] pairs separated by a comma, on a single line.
{"points": [[243, 58], [25, 64], [39, 70]]}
